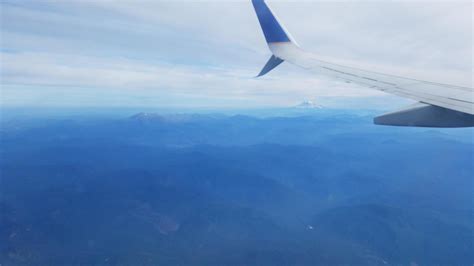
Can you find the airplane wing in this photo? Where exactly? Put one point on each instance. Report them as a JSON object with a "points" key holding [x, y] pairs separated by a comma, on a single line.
{"points": [[440, 105]]}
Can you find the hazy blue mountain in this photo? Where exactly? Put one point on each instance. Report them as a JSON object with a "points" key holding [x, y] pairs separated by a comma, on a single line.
{"points": [[303, 188]]}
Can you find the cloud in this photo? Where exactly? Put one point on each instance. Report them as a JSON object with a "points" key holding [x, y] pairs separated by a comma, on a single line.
{"points": [[205, 53], [125, 76]]}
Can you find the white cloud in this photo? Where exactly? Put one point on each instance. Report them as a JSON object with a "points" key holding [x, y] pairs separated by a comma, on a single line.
{"points": [[135, 77], [206, 52]]}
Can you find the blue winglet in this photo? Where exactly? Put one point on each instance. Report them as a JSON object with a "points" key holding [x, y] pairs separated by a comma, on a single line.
{"points": [[271, 64], [271, 28]]}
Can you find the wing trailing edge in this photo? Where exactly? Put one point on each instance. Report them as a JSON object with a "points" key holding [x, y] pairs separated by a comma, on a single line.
{"points": [[425, 115]]}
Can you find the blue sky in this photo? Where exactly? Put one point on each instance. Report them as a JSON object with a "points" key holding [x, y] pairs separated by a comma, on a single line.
{"points": [[205, 53]]}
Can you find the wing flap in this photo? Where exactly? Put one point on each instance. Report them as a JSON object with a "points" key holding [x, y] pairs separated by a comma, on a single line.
{"points": [[425, 115]]}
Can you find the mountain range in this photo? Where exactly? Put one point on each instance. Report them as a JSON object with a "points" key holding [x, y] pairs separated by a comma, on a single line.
{"points": [[213, 189]]}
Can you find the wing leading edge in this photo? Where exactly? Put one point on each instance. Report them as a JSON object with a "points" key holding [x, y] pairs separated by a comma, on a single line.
{"points": [[453, 106]]}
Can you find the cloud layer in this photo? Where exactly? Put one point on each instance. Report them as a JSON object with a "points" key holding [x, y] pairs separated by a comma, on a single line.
{"points": [[190, 54]]}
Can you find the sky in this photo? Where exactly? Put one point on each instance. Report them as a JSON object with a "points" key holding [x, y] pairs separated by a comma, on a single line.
{"points": [[205, 53]]}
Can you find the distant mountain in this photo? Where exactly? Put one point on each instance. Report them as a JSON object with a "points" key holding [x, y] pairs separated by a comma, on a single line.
{"points": [[308, 105], [174, 118]]}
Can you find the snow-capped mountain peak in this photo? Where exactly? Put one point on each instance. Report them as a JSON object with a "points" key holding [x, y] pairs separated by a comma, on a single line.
{"points": [[309, 104]]}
